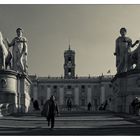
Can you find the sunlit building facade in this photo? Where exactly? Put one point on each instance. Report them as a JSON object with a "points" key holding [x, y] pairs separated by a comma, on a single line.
{"points": [[79, 90]]}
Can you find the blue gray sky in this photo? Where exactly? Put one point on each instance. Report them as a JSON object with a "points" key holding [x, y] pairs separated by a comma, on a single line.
{"points": [[91, 29]]}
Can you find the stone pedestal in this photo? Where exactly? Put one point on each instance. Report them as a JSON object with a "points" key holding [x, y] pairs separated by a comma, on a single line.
{"points": [[126, 86], [8, 89], [23, 93]]}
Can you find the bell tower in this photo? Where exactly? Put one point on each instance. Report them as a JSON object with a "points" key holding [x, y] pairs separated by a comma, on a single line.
{"points": [[69, 63]]}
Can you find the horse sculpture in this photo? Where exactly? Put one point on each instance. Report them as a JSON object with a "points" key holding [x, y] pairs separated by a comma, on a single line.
{"points": [[135, 58], [5, 55]]}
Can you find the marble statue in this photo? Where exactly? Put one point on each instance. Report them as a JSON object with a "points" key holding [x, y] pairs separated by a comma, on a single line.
{"points": [[135, 57], [5, 55], [19, 52], [123, 52]]}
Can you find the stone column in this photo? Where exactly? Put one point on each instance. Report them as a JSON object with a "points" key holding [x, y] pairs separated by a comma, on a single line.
{"points": [[48, 92], [18, 95], [89, 96], [94, 104], [61, 95], [76, 95], [102, 97], [24, 92]]}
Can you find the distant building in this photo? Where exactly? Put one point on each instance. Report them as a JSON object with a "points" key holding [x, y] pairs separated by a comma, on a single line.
{"points": [[79, 90]]}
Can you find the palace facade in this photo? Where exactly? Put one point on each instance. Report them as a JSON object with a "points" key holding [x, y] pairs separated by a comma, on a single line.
{"points": [[79, 90]]}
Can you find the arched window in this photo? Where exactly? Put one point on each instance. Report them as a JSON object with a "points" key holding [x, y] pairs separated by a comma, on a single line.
{"points": [[69, 58], [83, 88], [69, 87]]}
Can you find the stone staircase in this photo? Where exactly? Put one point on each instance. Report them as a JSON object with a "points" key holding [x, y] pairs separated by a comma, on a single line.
{"points": [[75, 111]]}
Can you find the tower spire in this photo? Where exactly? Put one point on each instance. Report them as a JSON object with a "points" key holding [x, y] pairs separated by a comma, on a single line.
{"points": [[69, 46]]}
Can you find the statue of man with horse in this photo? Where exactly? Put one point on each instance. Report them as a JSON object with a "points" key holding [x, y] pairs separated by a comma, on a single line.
{"points": [[17, 60], [125, 57]]}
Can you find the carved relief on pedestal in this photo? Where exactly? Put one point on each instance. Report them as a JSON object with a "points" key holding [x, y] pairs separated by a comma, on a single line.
{"points": [[3, 83]]}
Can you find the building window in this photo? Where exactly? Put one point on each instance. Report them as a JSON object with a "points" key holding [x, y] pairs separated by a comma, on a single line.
{"points": [[83, 102], [69, 58], [69, 87], [83, 88], [55, 87], [69, 70]]}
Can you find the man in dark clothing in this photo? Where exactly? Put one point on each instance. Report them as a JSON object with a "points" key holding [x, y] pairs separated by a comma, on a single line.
{"points": [[105, 105], [136, 102], [69, 104], [133, 106], [36, 105], [51, 109], [89, 106]]}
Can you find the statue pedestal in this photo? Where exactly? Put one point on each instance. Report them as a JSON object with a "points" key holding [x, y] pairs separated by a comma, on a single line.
{"points": [[24, 93], [8, 89], [14, 91], [126, 86]]}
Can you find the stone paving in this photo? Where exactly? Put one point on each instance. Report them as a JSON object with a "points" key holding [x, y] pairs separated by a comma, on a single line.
{"points": [[72, 124]]}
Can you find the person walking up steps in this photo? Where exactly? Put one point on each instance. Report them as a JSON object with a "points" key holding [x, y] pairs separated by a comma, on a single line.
{"points": [[49, 111]]}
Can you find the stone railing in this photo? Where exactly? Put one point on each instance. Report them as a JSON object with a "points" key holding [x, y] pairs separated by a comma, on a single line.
{"points": [[77, 77]]}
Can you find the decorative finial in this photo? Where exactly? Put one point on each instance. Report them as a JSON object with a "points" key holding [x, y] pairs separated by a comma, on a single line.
{"points": [[69, 44]]}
